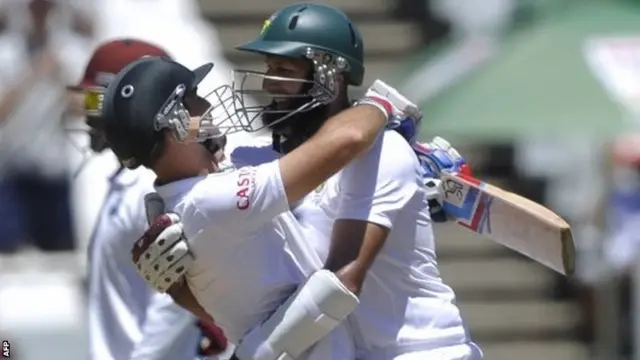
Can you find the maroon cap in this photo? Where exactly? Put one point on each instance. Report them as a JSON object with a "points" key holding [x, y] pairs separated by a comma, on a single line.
{"points": [[111, 57]]}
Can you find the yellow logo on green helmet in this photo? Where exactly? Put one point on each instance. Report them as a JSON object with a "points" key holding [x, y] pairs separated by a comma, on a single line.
{"points": [[265, 26]]}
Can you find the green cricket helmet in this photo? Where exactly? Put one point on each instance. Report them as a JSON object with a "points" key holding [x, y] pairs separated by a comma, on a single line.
{"points": [[321, 34]]}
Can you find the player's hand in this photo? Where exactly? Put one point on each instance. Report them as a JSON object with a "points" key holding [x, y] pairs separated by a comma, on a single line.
{"points": [[409, 128], [436, 157], [161, 255], [212, 339], [401, 107]]}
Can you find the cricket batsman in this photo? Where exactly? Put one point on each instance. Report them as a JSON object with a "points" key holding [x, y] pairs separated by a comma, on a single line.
{"points": [[127, 318], [312, 53], [375, 211]]}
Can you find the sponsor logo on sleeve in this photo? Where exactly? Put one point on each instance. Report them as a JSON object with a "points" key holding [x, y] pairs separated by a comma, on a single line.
{"points": [[245, 185]]}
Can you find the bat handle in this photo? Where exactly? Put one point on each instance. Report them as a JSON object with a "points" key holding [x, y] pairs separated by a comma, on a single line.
{"points": [[153, 206]]}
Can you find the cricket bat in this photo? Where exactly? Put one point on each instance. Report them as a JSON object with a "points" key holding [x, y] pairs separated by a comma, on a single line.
{"points": [[511, 220]]}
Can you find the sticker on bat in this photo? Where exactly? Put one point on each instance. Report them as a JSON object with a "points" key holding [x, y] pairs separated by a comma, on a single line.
{"points": [[468, 205], [453, 191], [481, 219], [459, 199]]}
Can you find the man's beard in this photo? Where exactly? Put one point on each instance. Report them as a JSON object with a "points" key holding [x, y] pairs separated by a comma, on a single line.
{"points": [[290, 133]]}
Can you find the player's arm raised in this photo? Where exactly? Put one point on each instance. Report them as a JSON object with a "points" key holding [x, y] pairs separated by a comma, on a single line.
{"points": [[252, 196], [340, 139]]}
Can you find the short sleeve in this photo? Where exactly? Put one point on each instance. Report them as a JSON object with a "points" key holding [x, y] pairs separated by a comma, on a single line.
{"points": [[244, 199], [376, 186]]}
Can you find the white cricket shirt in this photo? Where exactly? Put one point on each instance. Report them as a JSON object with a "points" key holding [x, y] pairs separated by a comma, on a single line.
{"points": [[404, 302], [242, 270], [128, 319]]}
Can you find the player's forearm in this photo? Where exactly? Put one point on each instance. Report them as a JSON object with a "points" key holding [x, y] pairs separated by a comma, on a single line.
{"points": [[352, 276], [347, 135], [353, 130], [351, 272], [354, 246], [341, 139]]}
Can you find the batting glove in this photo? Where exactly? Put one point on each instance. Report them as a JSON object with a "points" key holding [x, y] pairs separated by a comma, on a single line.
{"points": [[161, 255], [437, 157], [408, 127], [393, 104]]}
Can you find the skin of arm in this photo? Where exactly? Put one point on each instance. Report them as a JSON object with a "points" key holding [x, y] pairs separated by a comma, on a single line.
{"points": [[354, 246], [340, 139]]}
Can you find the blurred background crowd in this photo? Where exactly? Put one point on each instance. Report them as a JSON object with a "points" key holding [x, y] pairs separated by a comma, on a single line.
{"points": [[541, 96]]}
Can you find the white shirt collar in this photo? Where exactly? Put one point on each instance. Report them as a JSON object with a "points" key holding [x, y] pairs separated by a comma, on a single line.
{"points": [[176, 188]]}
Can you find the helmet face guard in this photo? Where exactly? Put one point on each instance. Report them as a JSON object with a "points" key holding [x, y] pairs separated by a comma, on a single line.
{"points": [[175, 117], [251, 101]]}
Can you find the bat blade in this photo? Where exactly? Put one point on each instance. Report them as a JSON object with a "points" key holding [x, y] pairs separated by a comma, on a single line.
{"points": [[511, 220]]}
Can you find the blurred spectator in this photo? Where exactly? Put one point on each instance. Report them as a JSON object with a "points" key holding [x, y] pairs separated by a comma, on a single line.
{"points": [[623, 220], [610, 253], [39, 54], [176, 24]]}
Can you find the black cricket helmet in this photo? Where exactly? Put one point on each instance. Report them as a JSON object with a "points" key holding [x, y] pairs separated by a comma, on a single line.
{"points": [[146, 99]]}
